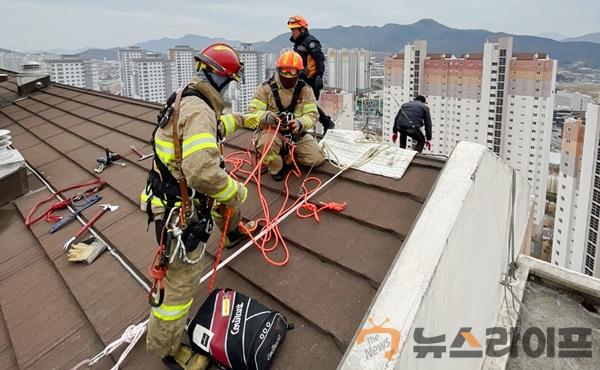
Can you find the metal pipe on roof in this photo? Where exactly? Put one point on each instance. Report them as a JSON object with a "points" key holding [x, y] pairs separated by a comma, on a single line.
{"points": [[112, 250]]}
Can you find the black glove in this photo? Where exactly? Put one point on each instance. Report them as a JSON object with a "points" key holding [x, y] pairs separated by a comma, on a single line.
{"points": [[318, 83], [326, 122]]}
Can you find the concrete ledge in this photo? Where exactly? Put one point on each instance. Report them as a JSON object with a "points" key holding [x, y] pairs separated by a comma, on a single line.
{"points": [[567, 279], [448, 273]]}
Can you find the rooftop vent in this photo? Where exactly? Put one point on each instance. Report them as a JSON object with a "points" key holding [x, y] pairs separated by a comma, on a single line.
{"points": [[31, 78]]}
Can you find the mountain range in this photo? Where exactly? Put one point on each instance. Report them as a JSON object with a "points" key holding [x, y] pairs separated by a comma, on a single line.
{"points": [[590, 37], [392, 38]]}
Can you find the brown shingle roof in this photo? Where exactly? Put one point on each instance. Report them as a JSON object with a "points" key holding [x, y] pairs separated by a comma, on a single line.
{"points": [[335, 266]]}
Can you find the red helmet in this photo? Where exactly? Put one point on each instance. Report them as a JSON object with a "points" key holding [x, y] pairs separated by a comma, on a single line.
{"points": [[222, 59], [297, 21]]}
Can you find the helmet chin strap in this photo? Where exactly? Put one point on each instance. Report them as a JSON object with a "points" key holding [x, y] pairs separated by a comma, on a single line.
{"points": [[216, 81]]}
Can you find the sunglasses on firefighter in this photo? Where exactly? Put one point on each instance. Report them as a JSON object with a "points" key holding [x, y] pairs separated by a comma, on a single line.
{"points": [[288, 72], [293, 20]]}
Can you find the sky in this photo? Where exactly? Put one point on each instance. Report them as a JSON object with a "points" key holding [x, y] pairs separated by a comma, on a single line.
{"points": [[72, 24]]}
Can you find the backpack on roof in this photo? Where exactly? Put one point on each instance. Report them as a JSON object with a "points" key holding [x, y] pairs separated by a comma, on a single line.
{"points": [[236, 331]]}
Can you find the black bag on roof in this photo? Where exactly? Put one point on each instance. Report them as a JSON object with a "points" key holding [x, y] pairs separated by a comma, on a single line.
{"points": [[236, 331]]}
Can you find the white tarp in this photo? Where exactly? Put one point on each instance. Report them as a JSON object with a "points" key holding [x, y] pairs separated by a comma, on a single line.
{"points": [[344, 147]]}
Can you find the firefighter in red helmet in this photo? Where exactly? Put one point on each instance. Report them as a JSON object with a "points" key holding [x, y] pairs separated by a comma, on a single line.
{"points": [[200, 126]]}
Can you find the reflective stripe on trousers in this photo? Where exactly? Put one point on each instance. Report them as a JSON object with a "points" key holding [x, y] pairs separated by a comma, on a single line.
{"points": [[171, 313]]}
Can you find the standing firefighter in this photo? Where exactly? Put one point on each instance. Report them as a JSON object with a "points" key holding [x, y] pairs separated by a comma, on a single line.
{"points": [[186, 178], [408, 122], [290, 99], [313, 58]]}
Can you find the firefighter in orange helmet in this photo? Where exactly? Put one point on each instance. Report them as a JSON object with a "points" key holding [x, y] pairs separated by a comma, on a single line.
{"points": [[201, 123], [287, 97], [312, 55]]}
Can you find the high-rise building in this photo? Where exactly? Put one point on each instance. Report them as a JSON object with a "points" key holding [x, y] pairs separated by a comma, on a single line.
{"points": [[254, 74], [498, 98], [339, 105], [91, 71], [151, 77], [578, 200], [348, 69], [370, 104], [574, 100], [270, 61], [182, 58], [126, 57], [563, 251], [69, 70]]}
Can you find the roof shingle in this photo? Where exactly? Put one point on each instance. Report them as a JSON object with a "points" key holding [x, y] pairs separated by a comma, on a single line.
{"points": [[335, 266]]}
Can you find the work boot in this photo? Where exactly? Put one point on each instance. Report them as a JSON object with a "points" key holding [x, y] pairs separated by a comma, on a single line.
{"points": [[280, 176], [186, 359], [263, 169], [237, 235]]}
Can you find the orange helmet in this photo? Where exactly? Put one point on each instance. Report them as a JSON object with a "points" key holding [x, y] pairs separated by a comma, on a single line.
{"points": [[290, 60], [297, 21], [289, 66], [222, 59]]}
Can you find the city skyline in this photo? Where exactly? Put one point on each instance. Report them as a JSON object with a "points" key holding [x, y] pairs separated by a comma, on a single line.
{"points": [[51, 26], [500, 98]]}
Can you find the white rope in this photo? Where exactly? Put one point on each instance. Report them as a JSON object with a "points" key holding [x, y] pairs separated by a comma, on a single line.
{"points": [[111, 250], [131, 335]]}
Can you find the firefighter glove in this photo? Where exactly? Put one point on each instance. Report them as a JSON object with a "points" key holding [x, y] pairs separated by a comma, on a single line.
{"points": [[271, 119], [295, 127], [86, 253]]}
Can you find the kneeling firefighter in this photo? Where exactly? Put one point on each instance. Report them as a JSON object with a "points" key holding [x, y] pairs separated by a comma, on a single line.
{"points": [[285, 97], [186, 178]]}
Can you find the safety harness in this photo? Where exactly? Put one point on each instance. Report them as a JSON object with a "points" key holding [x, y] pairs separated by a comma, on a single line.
{"points": [[187, 217], [297, 90]]}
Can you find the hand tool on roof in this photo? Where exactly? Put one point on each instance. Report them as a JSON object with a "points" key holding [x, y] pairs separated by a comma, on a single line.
{"points": [[141, 154], [68, 219], [96, 186], [86, 252], [105, 208], [107, 160]]}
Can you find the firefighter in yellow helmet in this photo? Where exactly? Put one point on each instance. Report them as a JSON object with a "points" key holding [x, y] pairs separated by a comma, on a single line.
{"points": [[210, 188], [286, 97]]}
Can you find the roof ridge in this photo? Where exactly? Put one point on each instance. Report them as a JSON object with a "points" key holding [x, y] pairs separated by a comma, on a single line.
{"points": [[126, 99], [88, 105]]}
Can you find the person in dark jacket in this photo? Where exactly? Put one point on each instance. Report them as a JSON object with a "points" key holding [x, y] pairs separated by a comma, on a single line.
{"points": [[408, 122], [312, 55]]}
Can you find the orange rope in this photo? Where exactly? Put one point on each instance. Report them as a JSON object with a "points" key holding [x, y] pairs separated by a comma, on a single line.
{"points": [[273, 239]]}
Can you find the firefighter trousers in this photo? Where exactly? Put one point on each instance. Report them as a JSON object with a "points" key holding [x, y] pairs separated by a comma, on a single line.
{"points": [[167, 322], [306, 153]]}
